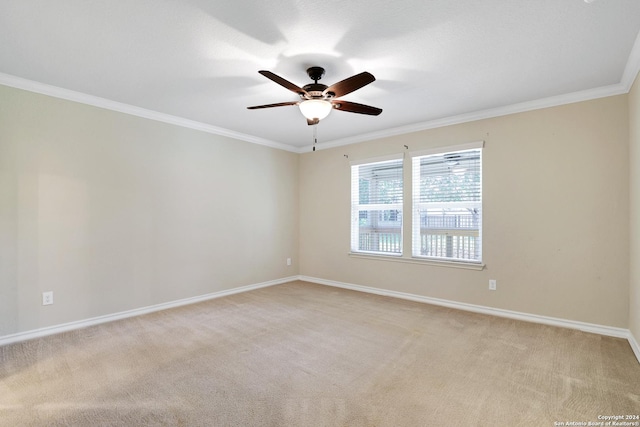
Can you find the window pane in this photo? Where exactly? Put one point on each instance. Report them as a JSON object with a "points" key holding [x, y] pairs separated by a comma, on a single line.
{"points": [[380, 185], [447, 199], [449, 233], [452, 177], [376, 207], [380, 231]]}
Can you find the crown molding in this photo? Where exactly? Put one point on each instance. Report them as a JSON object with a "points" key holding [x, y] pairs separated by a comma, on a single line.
{"points": [[632, 68], [96, 101], [553, 101]]}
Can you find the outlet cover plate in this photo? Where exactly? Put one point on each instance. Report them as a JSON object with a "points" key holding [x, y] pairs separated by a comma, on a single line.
{"points": [[47, 298]]}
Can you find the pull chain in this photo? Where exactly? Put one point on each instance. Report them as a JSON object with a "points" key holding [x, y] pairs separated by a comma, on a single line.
{"points": [[315, 136]]}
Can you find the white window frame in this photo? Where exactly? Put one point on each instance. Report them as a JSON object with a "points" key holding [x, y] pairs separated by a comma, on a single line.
{"points": [[357, 208], [460, 235]]}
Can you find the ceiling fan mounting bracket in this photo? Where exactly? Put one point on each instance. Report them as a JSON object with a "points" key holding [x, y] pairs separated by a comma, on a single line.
{"points": [[315, 73]]}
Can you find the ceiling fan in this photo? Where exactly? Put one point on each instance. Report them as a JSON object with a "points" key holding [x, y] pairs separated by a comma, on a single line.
{"points": [[317, 100]]}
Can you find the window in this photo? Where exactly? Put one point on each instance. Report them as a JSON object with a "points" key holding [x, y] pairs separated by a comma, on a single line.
{"points": [[447, 205], [376, 207]]}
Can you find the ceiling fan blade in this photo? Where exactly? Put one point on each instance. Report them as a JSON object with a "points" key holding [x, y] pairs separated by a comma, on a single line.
{"points": [[282, 82], [353, 107], [350, 84], [312, 122], [279, 104]]}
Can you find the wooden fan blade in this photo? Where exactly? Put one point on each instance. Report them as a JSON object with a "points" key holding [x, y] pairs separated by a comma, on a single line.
{"points": [[350, 84], [353, 107], [279, 104], [312, 122], [282, 82]]}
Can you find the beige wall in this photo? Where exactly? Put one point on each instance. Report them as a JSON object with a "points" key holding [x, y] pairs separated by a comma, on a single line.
{"points": [[556, 214], [634, 138], [114, 212]]}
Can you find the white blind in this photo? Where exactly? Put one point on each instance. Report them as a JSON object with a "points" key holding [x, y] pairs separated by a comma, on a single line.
{"points": [[447, 205], [376, 207]]}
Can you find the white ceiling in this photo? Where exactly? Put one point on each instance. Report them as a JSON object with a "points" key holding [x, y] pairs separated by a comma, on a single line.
{"points": [[196, 62]]}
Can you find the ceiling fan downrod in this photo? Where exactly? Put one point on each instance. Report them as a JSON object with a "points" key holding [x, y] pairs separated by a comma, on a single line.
{"points": [[315, 73]]}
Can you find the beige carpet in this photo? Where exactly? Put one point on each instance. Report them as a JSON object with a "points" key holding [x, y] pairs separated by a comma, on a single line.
{"points": [[301, 354]]}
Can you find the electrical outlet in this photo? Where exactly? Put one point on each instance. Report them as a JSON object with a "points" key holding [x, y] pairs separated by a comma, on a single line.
{"points": [[492, 285], [47, 298], [288, 261]]}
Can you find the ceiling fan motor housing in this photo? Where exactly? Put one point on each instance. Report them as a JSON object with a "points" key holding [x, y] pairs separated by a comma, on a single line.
{"points": [[315, 90]]}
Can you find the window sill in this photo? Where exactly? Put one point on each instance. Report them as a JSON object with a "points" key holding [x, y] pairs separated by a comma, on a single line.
{"points": [[423, 261]]}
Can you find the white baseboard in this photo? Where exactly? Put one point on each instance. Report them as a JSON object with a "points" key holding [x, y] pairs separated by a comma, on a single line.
{"points": [[552, 321], [56, 329], [634, 346], [534, 318]]}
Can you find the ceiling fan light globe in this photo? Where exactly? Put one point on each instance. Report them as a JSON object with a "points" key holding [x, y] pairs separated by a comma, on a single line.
{"points": [[315, 108]]}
